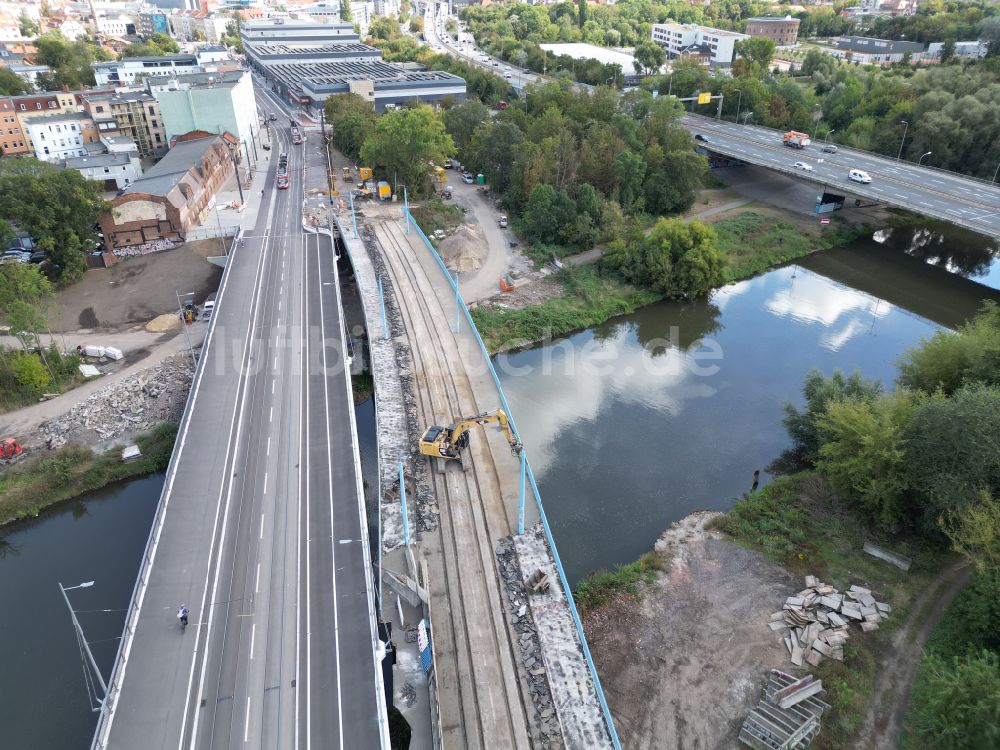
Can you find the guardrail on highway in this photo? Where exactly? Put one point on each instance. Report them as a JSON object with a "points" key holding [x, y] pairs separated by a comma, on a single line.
{"points": [[608, 719]]}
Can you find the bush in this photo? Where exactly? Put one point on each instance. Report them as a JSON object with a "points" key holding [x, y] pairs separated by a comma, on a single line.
{"points": [[805, 426], [864, 455], [30, 372], [956, 702], [969, 623], [951, 451], [772, 518], [598, 588]]}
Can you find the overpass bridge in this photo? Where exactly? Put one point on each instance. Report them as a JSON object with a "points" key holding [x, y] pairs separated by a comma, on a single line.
{"points": [[261, 528], [964, 201]]}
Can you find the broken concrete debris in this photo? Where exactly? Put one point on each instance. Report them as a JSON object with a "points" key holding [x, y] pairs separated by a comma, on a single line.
{"points": [[817, 620]]}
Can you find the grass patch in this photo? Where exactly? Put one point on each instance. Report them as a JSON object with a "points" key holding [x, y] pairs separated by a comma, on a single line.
{"points": [[40, 481], [437, 214], [591, 298], [599, 587], [363, 386], [799, 522], [756, 242]]}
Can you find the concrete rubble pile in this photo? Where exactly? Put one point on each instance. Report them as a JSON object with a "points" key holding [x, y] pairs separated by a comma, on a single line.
{"points": [[126, 408], [818, 620], [530, 647]]}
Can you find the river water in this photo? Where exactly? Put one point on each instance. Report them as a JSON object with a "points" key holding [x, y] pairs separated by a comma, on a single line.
{"points": [[634, 424]]}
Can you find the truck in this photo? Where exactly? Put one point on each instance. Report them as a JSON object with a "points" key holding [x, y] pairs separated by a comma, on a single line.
{"points": [[384, 191], [795, 139]]}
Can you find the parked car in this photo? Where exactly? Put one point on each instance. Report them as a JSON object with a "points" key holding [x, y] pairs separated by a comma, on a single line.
{"points": [[207, 309], [467, 178], [502, 221], [803, 166], [856, 175], [41, 257], [15, 256], [829, 148], [266, 146]]}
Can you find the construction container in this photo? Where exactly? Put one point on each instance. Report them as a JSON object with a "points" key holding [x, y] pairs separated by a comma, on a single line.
{"points": [[384, 191]]}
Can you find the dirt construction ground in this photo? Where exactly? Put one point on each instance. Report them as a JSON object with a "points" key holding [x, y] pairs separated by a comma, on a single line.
{"points": [[135, 290], [684, 668]]}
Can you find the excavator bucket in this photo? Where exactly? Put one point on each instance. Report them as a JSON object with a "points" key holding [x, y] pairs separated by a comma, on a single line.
{"points": [[10, 450]]}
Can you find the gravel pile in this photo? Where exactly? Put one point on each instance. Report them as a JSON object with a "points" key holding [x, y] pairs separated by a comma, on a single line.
{"points": [[124, 409]]}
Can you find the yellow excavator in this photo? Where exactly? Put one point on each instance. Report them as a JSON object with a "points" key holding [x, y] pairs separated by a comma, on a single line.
{"points": [[448, 443]]}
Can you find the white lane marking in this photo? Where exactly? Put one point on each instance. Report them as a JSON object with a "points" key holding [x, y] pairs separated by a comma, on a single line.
{"points": [[275, 361], [261, 536], [270, 412], [269, 445], [246, 722], [264, 491], [333, 554], [272, 387], [240, 410], [256, 583], [305, 266], [253, 637]]}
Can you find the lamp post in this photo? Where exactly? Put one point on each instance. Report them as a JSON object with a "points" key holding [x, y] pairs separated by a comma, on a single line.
{"points": [[922, 157], [817, 116], [80, 637], [187, 334], [902, 142], [995, 172], [739, 101], [827, 136], [609, 80], [746, 117]]}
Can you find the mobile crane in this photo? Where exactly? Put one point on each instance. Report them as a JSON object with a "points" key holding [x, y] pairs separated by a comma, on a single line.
{"points": [[449, 442]]}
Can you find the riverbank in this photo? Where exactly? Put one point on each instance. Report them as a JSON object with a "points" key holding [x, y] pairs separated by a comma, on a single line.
{"points": [[683, 649], [753, 240], [42, 481]]}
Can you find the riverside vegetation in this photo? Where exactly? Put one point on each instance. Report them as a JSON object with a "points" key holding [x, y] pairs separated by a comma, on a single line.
{"points": [[43, 480], [915, 469]]}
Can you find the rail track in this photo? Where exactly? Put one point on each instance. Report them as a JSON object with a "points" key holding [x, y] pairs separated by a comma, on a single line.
{"points": [[474, 645]]}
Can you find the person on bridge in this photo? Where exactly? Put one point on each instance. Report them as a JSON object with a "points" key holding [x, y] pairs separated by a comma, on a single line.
{"points": [[182, 615]]}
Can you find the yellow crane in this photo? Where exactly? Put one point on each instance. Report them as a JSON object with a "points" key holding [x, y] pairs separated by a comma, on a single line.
{"points": [[447, 443]]}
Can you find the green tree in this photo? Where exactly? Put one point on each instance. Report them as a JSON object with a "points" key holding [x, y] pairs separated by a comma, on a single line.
{"points": [[649, 58], [864, 455], [974, 531], [805, 426], [989, 32], [463, 122], [404, 142], [384, 27], [951, 359], [11, 84], [27, 26], [630, 171], [493, 150], [197, 35], [951, 452], [69, 61], [583, 13], [349, 117], [59, 206], [24, 297], [755, 55], [956, 703], [232, 36], [417, 25], [345, 11], [30, 372], [947, 50]]}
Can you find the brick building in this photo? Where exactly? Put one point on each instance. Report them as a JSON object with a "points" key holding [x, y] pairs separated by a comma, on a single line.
{"points": [[12, 137], [784, 32], [173, 196]]}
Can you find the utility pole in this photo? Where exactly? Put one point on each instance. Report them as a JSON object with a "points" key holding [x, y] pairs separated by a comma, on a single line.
{"points": [[236, 171], [85, 647], [326, 145]]}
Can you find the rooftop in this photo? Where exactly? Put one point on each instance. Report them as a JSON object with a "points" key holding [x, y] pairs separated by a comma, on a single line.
{"points": [[877, 46], [318, 49], [98, 160], [63, 117], [581, 51], [697, 27], [773, 18], [161, 178]]}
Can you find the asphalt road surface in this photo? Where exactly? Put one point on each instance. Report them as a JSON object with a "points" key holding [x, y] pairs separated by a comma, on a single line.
{"points": [[262, 535], [973, 204]]}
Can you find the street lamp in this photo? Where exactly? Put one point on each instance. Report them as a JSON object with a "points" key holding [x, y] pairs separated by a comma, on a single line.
{"points": [[922, 157], [746, 117], [902, 142], [187, 334], [827, 136], [739, 101], [83, 641], [995, 172], [609, 80], [817, 116]]}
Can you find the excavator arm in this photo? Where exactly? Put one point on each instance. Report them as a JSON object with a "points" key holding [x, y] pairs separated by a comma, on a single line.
{"points": [[449, 442]]}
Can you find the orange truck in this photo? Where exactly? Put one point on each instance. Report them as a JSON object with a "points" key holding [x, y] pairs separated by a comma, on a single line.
{"points": [[795, 139]]}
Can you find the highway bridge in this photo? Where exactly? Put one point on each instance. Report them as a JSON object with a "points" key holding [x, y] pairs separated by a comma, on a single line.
{"points": [[261, 526], [964, 201]]}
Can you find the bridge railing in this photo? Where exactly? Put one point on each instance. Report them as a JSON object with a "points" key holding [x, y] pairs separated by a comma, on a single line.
{"points": [[608, 719]]}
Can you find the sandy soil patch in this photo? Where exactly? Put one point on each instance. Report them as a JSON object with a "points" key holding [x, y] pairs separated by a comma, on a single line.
{"points": [[683, 668], [465, 250]]}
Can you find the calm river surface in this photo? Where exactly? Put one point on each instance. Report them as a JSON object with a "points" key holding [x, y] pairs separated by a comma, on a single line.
{"points": [[634, 424]]}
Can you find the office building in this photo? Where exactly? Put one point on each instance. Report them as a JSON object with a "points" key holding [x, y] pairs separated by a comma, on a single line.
{"points": [[715, 47], [784, 32]]}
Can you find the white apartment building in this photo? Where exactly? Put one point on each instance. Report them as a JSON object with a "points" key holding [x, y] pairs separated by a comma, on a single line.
{"points": [[115, 170], [56, 137], [125, 72], [716, 46], [115, 26], [216, 103]]}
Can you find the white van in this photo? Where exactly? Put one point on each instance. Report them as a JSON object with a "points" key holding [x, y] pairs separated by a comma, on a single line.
{"points": [[856, 175]]}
